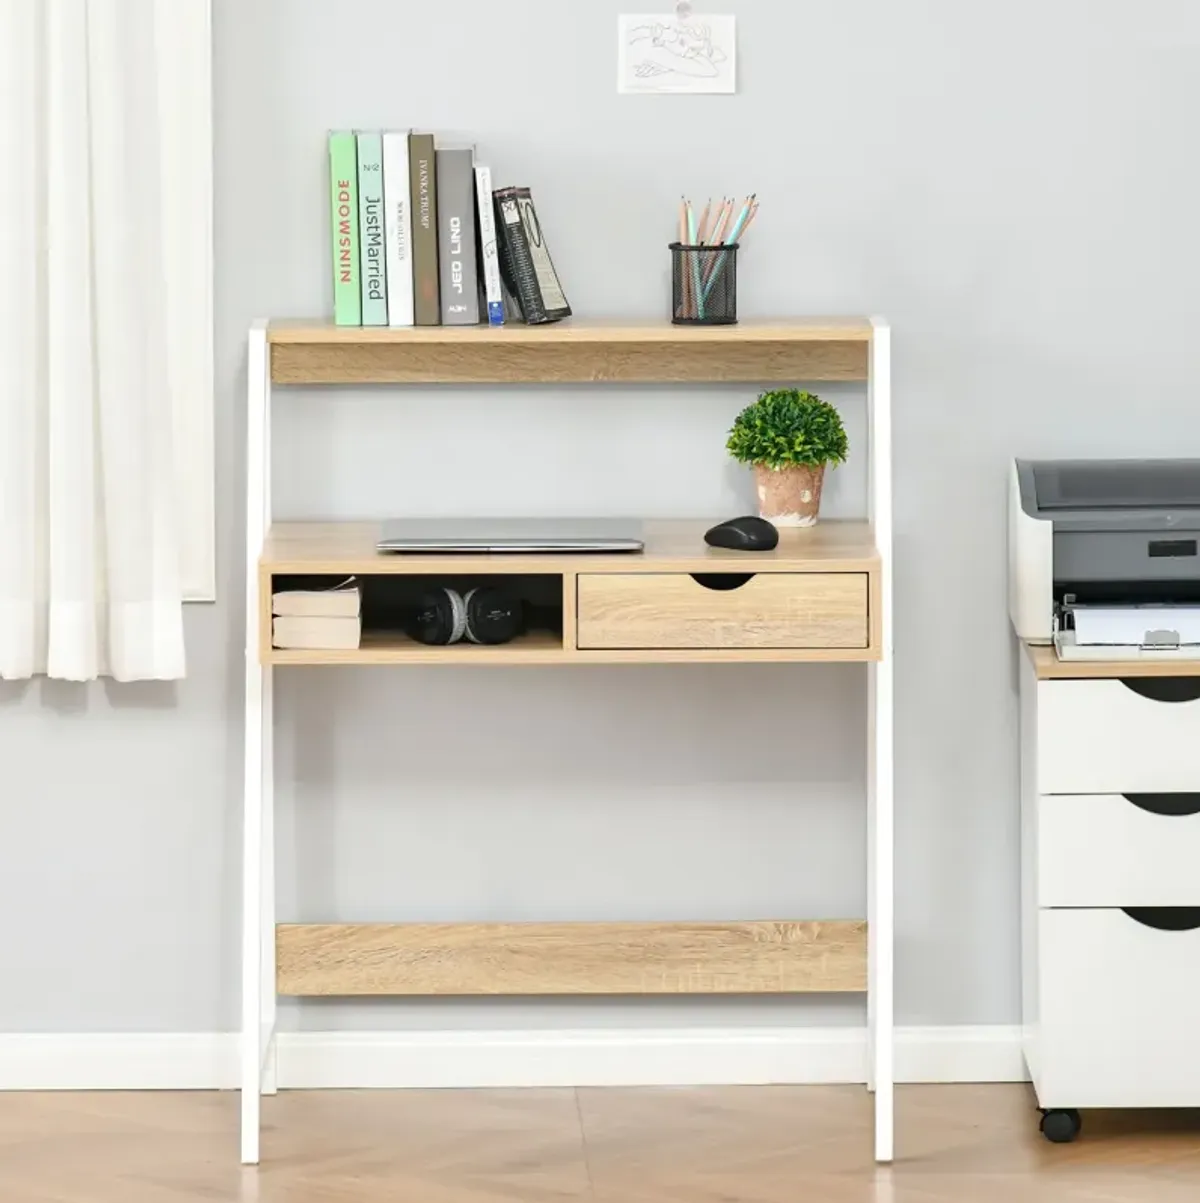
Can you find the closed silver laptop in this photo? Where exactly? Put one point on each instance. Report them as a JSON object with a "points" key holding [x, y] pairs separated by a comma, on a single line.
{"points": [[510, 535]]}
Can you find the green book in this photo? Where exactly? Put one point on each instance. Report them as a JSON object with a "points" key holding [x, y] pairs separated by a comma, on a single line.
{"points": [[343, 191], [373, 250]]}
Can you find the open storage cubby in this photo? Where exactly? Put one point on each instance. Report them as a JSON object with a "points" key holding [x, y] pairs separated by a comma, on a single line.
{"points": [[390, 602]]}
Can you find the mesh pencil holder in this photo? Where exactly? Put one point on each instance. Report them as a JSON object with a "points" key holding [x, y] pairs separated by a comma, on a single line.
{"points": [[703, 285]]}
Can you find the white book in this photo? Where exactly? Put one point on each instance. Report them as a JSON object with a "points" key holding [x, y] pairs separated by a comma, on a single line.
{"points": [[334, 633], [343, 600], [487, 243], [397, 228]]}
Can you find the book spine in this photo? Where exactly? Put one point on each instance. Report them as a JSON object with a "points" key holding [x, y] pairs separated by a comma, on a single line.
{"points": [[490, 263], [372, 257], [343, 188], [423, 193], [516, 262], [554, 301], [459, 274], [397, 229]]}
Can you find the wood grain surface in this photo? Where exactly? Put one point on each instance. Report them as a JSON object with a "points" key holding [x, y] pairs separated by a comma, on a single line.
{"points": [[789, 351], [1049, 667], [571, 958], [671, 545], [686, 1144], [771, 610]]}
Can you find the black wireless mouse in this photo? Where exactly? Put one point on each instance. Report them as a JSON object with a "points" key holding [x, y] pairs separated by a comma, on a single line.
{"points": [[743, 534]]}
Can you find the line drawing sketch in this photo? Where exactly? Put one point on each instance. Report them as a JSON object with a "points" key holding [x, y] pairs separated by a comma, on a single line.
{"points": [[666, 53]]}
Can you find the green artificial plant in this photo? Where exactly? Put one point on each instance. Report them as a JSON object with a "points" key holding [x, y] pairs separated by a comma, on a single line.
{"points": [[786, 427]]}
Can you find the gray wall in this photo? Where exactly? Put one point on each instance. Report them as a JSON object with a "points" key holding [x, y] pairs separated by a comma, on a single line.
{"points": [[1013, 185]]}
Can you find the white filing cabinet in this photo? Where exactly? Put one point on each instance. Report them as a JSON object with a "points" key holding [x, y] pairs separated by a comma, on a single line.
{"points": [[1110, 847]]}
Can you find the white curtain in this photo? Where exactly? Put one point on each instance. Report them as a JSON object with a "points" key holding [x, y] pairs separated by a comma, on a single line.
{"points": [[90, 557]]}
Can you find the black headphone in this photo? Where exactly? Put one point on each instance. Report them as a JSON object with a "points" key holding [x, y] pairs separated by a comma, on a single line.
{"points": [[485, 614]]}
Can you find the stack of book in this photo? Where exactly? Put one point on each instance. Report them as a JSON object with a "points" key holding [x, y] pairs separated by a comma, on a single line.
{"points": [[421, 238], [320, 617]]}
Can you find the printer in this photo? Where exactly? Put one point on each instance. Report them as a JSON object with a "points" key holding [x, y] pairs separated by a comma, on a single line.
{"points": [[1104, 557]]}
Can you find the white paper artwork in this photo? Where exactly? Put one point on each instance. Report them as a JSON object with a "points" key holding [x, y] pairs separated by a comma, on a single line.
{"points": [[666, 53]]}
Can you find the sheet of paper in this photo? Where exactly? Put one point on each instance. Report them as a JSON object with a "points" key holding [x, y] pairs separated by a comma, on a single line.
{"points": [[1127, 625], [666, 53]]}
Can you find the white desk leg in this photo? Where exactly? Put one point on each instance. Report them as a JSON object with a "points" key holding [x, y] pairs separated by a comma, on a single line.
{"points": [[880, 803], [269, 999], [259, 775]]}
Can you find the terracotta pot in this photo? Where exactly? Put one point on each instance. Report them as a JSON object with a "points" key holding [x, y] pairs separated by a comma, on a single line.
{"points": [[789, 496]]}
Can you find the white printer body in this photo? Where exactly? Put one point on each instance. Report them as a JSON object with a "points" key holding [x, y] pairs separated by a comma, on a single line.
{"points": [[1104, 557]]}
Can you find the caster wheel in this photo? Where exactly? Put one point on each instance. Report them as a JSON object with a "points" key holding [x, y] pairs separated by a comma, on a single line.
{"points": [[1061, 1127]]}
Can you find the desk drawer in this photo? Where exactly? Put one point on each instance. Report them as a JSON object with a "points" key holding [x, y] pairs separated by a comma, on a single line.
{"points": [[1118, 1016], [723, 610], [1116, 736], [1113, 850]]}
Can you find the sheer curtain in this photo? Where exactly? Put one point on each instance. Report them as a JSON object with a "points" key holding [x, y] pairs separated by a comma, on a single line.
{"points": [[90, 531]]}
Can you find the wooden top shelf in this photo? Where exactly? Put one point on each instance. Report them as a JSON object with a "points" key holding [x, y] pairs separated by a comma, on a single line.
{"points": [[575, 330], [348, 548], [780, 350]]}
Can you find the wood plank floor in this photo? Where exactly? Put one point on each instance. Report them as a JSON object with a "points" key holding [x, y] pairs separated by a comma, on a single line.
{"points": [[959, 1144]]}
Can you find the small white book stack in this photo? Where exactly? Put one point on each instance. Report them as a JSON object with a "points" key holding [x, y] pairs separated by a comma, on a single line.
{"points": [[318, 618]]}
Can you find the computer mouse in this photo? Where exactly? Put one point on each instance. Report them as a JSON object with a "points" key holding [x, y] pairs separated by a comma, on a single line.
{"points": [[750, 533]]}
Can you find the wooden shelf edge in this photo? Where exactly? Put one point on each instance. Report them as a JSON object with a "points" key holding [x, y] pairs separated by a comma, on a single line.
{"points": [[393, 959], [515, 655], [308, 332], [571, 352], [1048, 667]]}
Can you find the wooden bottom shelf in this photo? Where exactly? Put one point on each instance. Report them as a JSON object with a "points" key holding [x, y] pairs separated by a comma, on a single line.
{"points": [[783, 957]]}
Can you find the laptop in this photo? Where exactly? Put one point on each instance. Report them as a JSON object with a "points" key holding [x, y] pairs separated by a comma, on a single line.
{"points": [[510, 535]]}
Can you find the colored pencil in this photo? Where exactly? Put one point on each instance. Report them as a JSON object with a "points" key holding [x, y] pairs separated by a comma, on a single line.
{"points": [[736, 233], [686, 281], [719, 227], [695, 259]]}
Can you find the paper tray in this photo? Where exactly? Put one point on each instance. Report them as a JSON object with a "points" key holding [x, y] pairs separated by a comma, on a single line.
{"points": [[1067, 649], [1131, 632]]}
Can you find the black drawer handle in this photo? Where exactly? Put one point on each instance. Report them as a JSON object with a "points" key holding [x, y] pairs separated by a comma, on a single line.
{"points": [[1175, 805], [1165, 918], [722, 582], [1164, 689]]}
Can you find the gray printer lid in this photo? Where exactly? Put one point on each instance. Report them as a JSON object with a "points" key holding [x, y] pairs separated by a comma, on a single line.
{"points": [[1113, 494]]}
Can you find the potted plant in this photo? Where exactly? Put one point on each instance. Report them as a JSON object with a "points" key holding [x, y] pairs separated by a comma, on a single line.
{"points": [[788, 437]]}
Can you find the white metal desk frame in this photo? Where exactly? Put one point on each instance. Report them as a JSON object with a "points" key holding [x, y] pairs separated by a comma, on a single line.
{"points": [[259, 999]]}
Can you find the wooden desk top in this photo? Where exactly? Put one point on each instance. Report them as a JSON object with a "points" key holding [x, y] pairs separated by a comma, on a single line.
{"points": [[348, 548], [1049, 667]]}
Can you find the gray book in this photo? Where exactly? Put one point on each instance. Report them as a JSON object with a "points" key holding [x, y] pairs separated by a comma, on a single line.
{"points": [[458, 265]]}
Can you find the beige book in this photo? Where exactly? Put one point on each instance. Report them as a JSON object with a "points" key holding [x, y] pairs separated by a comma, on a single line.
{"points": [[314, 633], [343, 600]]}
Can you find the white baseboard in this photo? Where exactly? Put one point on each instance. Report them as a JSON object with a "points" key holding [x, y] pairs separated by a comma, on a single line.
{"points": [[118, 1061], [641, 1057]]}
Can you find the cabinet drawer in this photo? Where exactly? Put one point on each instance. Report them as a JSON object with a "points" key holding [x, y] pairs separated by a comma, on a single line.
{"points": [[723, 610], [1118, 1017], [1113, 850], [1108, 737]]}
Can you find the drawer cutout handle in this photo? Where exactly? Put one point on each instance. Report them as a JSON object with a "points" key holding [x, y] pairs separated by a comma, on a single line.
{"points": [[1164, 689], [1165, 918], [1172, 805], [721, 582]]}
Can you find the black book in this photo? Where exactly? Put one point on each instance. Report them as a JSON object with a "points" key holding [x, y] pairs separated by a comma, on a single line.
{"points": [[525, 264]]}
